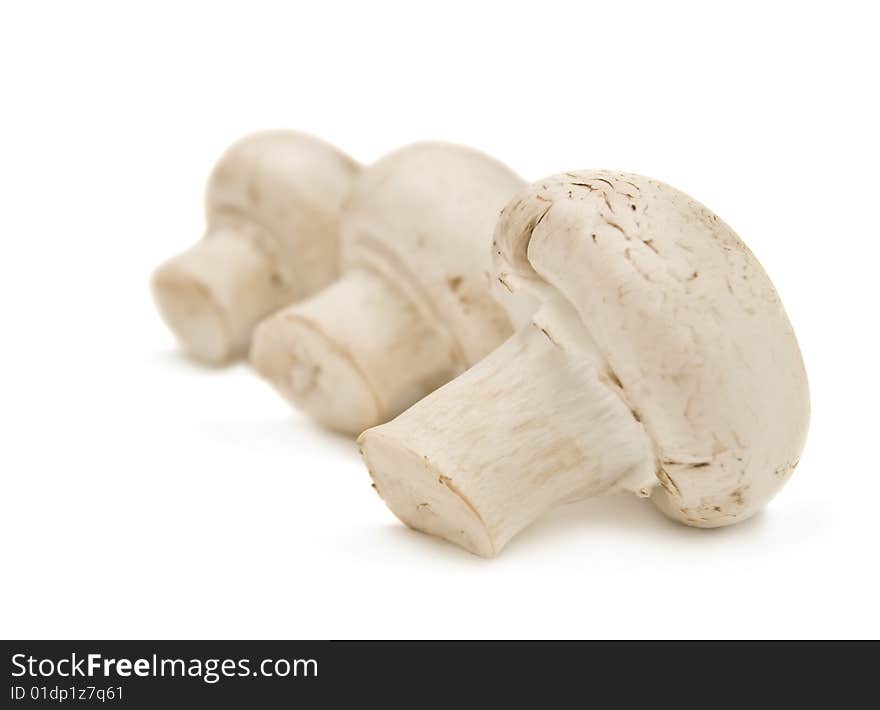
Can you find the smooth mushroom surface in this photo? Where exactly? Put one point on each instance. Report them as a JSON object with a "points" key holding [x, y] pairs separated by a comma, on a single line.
{"points": [[653, 355], [273, 203], [413, 307]]}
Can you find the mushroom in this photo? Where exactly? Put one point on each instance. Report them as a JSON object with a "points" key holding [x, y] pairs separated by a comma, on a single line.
{"points": [[273, 204], [413, 307], [652, 355]]}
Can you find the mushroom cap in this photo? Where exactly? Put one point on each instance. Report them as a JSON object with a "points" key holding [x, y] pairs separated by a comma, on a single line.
{"points": [[695, 337], [292, 186], [422, 216]]}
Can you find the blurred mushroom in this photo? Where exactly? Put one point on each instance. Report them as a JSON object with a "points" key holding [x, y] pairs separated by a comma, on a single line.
{"points": [[413, 307], [273, 204]]}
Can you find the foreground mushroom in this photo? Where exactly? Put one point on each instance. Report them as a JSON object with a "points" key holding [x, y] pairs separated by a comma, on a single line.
{"points": [[654, 356], [273, 204], [413, 308]]}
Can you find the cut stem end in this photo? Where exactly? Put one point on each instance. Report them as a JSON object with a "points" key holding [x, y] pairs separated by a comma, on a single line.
{"points": [[534, 425], [354, 355], [212, 295]]}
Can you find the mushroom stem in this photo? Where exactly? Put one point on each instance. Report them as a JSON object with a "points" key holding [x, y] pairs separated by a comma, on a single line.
{"points": [[355, 354], [535, 424], [212, 294]]}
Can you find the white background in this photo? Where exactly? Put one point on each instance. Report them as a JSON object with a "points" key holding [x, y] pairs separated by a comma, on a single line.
{"points": [[143, 496]]}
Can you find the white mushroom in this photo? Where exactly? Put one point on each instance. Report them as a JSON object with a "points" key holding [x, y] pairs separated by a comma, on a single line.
{"points": [[273, 204], [413, 308], [657, 359]]}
